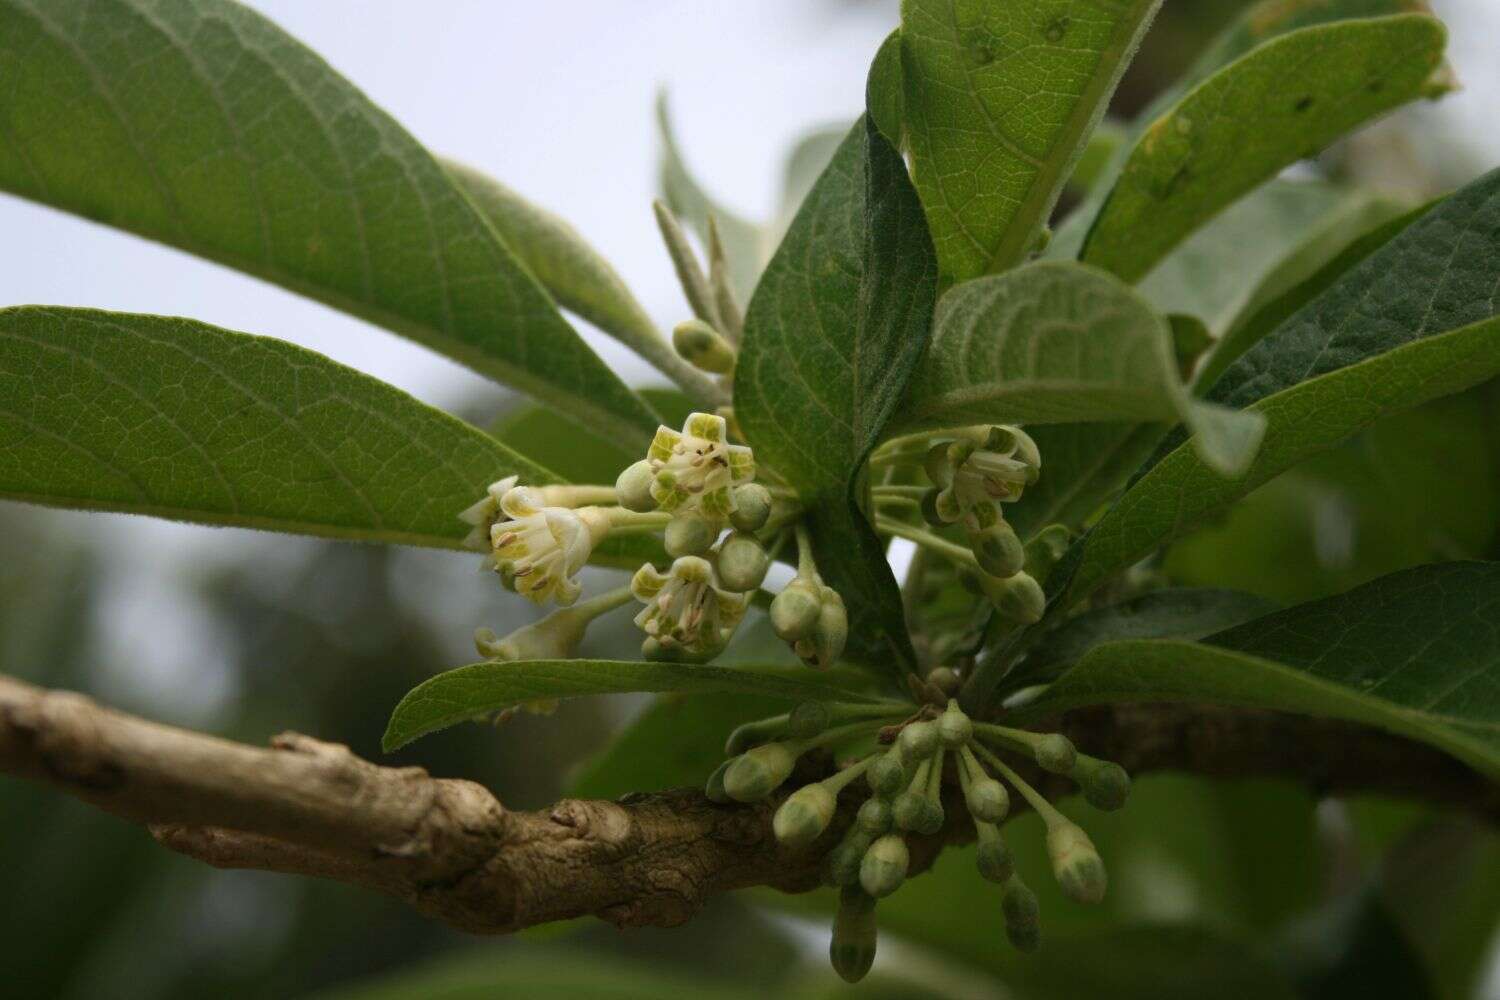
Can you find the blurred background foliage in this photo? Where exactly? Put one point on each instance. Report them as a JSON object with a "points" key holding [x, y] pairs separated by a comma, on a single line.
{"points": [[1231, 889]]}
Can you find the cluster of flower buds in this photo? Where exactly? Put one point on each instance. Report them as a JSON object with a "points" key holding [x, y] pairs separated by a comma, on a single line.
{"points": [[973, 474], [905, 775], [808, 614]]}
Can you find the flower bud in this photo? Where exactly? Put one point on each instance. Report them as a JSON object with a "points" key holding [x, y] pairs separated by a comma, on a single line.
{"points": [[690, 534], [633, 487], [752, 507], [953, 727], [1044, 551], [1075, 863], [1023, 924], [987, 799], [908, 810], [884, 866], [795, 611], [852, 950], [918, 741], [841, 868], [931, 819], [759, 771], [831, 634], [809, 719], [998, 549], [889, 775], [993, 857], [1055, 752], [703, 347], [742, 563], [875, 817], [1105, 784], [713, 788], [804, 816], [1018, 600], [945, 679]]}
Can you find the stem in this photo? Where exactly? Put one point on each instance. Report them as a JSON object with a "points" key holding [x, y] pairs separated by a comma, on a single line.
{"points": [[1043, 808], [835, 783], [935, 776], [915, 492], [807, 566], [833, 735], [600, 604], [1012, 738], [571, 495], [926, 539], [622, 521]]}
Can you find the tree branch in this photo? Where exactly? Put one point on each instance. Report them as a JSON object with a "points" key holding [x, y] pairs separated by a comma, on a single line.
{"points": [[450, 849]]}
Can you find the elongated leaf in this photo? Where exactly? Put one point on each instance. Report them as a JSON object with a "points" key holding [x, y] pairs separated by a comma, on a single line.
{"points": [[1000, 98], [177, 419], [1416, 653], [1175, 613], [745, 242], [202, 125], [1281, 103], [836, 326], [1054, 342], [481, 688], [1411, 323]]}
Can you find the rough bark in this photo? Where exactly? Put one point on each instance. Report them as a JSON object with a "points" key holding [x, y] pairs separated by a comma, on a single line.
{"points": [[450, 849]]}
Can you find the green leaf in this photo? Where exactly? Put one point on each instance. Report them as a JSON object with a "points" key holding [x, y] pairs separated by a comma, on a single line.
{"points": [[1416, 653], [885, 91], [1283, 102], [1083, 467], [1054, 342], [481, 688], [836, 327], [1266, 311], [1268, 241], [745, 243], [809, 157], [1000, 98], [205, 127], [1412, 323], [1173, 613], [177, 419]]}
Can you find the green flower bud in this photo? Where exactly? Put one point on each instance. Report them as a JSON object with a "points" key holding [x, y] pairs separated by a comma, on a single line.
{"points": [[841, 868], [752, 507], [888, 775], [690, 534], [945, 679], [994, 859], [999, 550], [884, 867], [633, 487], [1054, 752], [713, 789], [1044, 551], [908, 810], [988, 800], [1019, 599], [795, 611], [703, 347], [1023, 914], [1075, 863], [875, 817], [742, 563], [918, 741], [760, 771], [931, 819], [954, 728], [824, 647], [804, 816], [809, 719], [1105, 784], [852, 950]]}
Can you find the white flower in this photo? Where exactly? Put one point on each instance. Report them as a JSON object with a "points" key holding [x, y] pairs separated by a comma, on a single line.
{"points": [[483, 514], [995, 468], [685, 608], [541, 549], [698, 468]]}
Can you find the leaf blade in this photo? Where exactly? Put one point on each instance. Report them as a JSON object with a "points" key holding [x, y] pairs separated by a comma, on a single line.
{"points": [[267, 161], [491, 686]]}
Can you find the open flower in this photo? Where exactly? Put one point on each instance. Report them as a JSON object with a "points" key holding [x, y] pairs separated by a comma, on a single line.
{"points": [[539, 550], [483, 515], [698, 468], [685, 609], [993, 466]]}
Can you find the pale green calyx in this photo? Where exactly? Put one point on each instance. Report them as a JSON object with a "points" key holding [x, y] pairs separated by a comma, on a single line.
{"points": [[884, 866], [752, 507], [954, 728], [759, 771], [685, 608], [825, 645], [804, 816], [689, 534], [697, 469], [633, 487], [794, 611], [1076, 863], [742, 562], [1019, 600]]}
